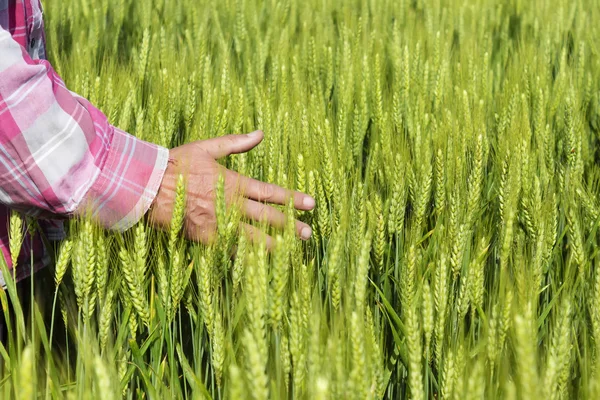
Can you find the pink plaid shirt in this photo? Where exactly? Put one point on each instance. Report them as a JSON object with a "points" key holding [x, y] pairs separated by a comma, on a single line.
{"points": [[59, 155]]}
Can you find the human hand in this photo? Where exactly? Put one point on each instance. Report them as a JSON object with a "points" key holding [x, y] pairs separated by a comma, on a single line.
{"points": [[197, 162]]}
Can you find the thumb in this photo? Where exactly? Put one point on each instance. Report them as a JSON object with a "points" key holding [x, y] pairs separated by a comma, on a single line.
{"points": [[232, 144]]}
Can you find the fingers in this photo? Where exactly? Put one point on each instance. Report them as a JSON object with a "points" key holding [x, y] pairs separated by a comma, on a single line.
{"points": [[258, 237], [270, 193], [262, 212], [223, 146]]}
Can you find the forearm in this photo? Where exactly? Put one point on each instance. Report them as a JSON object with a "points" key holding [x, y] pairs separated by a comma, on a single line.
{"points": [[60, 155]]}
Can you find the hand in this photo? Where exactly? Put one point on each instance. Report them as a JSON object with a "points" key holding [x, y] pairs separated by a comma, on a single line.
{"points": [[197, 162]]}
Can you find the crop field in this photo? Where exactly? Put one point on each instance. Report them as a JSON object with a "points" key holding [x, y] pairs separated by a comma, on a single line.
{"points": [[452, 147]]}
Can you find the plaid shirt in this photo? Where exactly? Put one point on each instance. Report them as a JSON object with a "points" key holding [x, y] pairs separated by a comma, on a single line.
{"points": [[59, 155]]}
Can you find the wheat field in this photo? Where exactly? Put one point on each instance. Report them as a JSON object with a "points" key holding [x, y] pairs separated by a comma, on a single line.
{"points": [[453, 150]]}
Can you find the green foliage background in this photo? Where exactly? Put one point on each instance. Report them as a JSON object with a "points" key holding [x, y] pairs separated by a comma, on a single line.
{"points": [[452, 147]]}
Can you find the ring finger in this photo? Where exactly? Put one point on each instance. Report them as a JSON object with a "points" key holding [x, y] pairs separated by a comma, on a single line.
{"points": [[261, 212]]}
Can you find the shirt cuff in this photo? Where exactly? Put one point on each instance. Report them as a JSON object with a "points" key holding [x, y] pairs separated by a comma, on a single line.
{"points": [[128, 182]]}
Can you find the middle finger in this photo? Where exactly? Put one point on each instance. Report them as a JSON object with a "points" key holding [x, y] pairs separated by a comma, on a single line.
{"points": [[268, 192]]}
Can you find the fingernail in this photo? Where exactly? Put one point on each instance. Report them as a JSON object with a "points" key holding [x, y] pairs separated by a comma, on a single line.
{"points": [[305, 233], [308, 202], [254, 134]]}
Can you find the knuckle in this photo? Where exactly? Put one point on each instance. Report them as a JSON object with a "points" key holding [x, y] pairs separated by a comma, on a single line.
{"points": [[250, 232], [266, 192], [263, 211], [230, 140]]}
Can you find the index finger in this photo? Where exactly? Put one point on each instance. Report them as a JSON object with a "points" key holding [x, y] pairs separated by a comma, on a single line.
{"points": [[270, 193]]}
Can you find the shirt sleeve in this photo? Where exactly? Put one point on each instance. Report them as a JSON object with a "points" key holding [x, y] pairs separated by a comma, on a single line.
{"points": [[59, 155]]}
